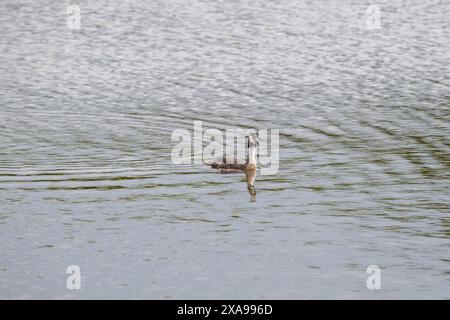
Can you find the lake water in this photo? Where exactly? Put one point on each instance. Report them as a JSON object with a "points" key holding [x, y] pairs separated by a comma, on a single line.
{"points": [[86, 176]]}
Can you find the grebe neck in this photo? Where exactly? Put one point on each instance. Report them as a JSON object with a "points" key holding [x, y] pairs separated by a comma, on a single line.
{"points": [[252, 155]]}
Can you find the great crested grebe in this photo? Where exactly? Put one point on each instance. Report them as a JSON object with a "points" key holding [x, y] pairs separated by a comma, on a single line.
{"points": [[249, 168]]}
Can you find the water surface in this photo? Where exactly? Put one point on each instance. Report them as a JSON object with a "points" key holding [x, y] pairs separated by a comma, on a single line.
{"points": [[86, 176]]}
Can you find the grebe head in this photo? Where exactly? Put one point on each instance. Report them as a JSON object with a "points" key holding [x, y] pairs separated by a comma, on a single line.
{"points": [[253, 141]]}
